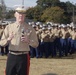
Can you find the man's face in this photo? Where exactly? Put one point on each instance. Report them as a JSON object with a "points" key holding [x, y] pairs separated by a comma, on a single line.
{"points": [[20, 17]]}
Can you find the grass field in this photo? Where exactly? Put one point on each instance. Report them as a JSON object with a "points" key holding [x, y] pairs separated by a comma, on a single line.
{"points": [[49, 66]]}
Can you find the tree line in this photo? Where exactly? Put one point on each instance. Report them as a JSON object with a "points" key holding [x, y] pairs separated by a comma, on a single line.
{"points": [[50, 10]]}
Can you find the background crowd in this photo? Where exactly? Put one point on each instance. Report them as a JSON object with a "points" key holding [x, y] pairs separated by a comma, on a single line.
{"points": [[55, 40]]}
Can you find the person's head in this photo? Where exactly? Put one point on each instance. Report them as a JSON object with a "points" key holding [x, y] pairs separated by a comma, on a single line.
{"points": [[20, 14]]}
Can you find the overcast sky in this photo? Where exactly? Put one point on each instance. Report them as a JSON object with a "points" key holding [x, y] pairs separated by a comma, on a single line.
{"points": [[27, 3]]}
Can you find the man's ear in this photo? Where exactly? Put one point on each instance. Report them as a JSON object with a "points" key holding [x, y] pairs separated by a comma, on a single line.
{"points": [[15, 14]]}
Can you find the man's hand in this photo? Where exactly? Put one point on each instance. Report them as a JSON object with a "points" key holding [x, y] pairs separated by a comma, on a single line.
{"points": [[11, 36], [25, 39]]}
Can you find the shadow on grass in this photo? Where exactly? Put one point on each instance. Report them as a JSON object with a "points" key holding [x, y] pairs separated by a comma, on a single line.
{"points": [[49, 74], [73, 56]]}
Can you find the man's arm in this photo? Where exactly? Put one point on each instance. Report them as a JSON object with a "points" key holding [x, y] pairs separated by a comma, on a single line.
{"points": [[33, 39], [4, 41]]}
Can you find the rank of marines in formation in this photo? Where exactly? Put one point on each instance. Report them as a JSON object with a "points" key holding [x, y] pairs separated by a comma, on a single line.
{"points": [[55, 40]]}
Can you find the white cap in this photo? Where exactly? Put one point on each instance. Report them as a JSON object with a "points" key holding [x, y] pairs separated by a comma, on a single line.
{"points": [[20, 9], [49, 28], [43, 28], [33, 26]]}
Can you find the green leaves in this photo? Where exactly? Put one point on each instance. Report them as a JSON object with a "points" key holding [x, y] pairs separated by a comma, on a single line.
{"points": [[53, 14]]}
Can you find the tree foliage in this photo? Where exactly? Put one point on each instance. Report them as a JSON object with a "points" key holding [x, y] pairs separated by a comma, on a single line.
{"points": [[53, 14], [50, 10], [30, 13], [0, 12], [10, 14], [48, 3], [34, 13]]}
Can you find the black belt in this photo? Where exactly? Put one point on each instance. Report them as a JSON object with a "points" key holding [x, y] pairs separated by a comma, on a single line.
{"points": [[18, 51]]}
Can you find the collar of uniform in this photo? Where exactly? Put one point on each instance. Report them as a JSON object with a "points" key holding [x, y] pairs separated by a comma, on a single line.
{"points": [[19, 25]]}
